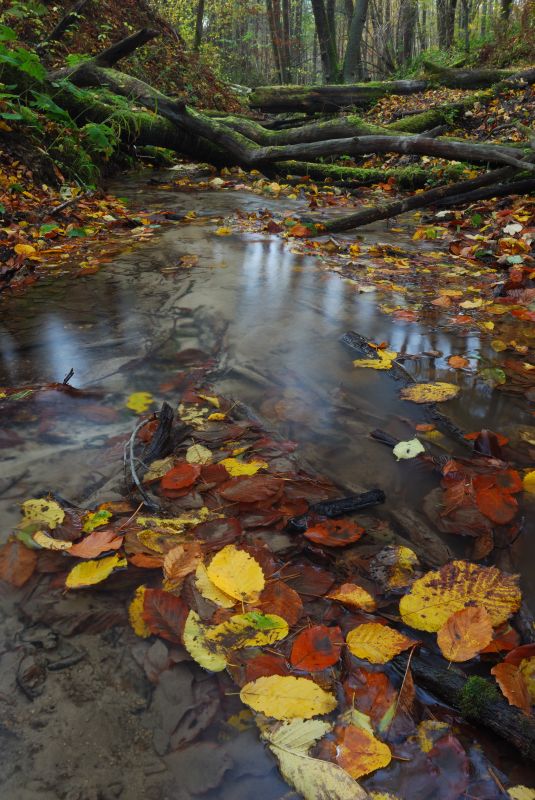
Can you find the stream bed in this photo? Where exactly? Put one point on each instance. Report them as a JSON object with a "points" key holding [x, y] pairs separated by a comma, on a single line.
{"points": [[271, 321]]}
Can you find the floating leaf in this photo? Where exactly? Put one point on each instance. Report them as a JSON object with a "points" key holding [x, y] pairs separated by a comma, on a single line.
{"points": [[49, 543], [334, 532], [465, 634], [253, 629], [98, 542], [316, 648], [528, 482], [429, 392], [209, 590], [458, 362], [165, 614], [286, 697], [250, 489], [203, 652], [91, 572], [435, 597], [198, 454], [140, 402], [43, 510], [513, 686], [237, 574], [236, 467], [377, 643], [384, 361], [521, 793], [135, 613], [95, 519], [360, 752], [408, 449], [353, 596]]}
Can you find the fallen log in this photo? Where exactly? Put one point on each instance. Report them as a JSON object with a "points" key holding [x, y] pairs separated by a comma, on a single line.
{"points": [[332, 97], [58, 32]]}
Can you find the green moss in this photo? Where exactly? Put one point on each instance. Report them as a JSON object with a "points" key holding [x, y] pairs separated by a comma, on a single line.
{"points": [[475, 696]]}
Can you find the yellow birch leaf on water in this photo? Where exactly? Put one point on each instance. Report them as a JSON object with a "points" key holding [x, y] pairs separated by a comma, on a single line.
{"points": [[386, 357], [48, 543], [43, 510], [205, 653], [179, 524], [429, 392], [433, 598], [237, 574], [377, 643], [471, 304], [253, 629], [24, 249], [521, 793], [235, 467], [212, 399], [140, 401], [158, 468], [359, 752], [216, 415], [198, 454], [95, 571], [465, 634], [353, 596], [286, 697], [528, 482], [135, 613], [312, 778], [223, 231], [209, 590]]}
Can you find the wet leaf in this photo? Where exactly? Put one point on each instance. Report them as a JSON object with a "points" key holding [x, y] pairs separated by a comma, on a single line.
{"points": [[377, 643], [527, 669], [512, 684], [498, 506], [360, 752], [198, 454], [521, 793], [179, 562], [334, 532], [384, 361], [164, 614], [236, 467], [17, 563], [180, 476], [286, 697], [140, 402], [236, 574], [433, 598], [96, 519], [429, 392], [209, 590], [253, 629], [203, 652], [353, 596], [250, 489], [49, 543], [528, 482], [408, 449], [91, 572], [316, 648], [279, 598], [465, 634], [158, 469], [394, 566], [135, 613], [458, 362], [43, 510]]}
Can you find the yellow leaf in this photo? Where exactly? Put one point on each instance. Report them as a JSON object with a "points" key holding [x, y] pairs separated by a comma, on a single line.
{"points": [[498, 346], [521, 793], [152, 540], [465, 634], [135, 613], [353, 596], [217, 415], [377, 643], [24, 249], [429, 732], [44, 540], [158, 468], [198, 454], [140, 401], [286, 697], [211, 399], [253, 629], [471, 304], [434, 598], [429, 392], [43, 510], [360, 753], [528, 482], [90, 572], [237, 574], [179, 524], [209, 590], [386, 357], [488, 326], [200, 649], [235, 467], [179, 562], [223, 231], [527, 670], [95, 519]]}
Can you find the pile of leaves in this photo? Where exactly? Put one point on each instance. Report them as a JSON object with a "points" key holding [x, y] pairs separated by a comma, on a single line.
{"points": [[233, 560]]}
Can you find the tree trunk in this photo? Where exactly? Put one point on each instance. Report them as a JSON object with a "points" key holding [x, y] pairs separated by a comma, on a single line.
{"points": [[275, 37], [505, 9], [446, 22], [353, 57], [327, 44], [199, 19]]}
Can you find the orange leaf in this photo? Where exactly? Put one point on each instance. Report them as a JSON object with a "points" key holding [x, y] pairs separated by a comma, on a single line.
{"points": [[181, 476], [17, 563], [299, 230], [353, 596], [360, 753], [513, 686], [465, 634], [279, 598], [316, 648], [498, 506], [100, 541], [179, 562], [518, 655], [458, 362], [334, 532]]}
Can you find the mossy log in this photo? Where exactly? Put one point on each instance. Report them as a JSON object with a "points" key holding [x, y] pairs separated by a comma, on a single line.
{"points": [[411, 177]]}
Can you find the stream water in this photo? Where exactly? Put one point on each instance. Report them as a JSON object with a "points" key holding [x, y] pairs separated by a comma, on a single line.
{"points": [[273, 319]]}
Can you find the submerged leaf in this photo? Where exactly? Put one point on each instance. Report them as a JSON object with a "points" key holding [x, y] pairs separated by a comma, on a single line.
{"points": [[465, 634], [360, 752], [286, 697], [377, 643], [140, 401], [430, 392]]}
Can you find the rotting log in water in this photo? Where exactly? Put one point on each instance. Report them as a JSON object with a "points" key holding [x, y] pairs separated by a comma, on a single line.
{"points": [[336, 508]]}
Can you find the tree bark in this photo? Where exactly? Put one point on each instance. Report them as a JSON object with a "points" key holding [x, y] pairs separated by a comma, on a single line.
{"points": [[327, 43], [353, 56], [199, 20]]}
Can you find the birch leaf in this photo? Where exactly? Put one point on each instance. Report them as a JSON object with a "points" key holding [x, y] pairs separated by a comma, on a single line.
{"points": [[286, 697], [91, 572], [237, 574], [205, 653]]}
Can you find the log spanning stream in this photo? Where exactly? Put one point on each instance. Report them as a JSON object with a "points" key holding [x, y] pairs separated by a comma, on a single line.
{"points": [[271, 320]]}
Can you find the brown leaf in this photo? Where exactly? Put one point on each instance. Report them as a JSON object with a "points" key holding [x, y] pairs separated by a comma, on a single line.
{"points": [[513, 686], [179, 562], [165, 614], [100, 541], [465, 633], [17, 563]]}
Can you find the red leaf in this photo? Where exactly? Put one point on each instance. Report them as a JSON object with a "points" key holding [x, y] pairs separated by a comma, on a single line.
{"points": [[370, 692], [17, 563], [165, 614], [309, 580], [334, 532], [316, 648], [279, 598], [181, 476], [250, 488], [517, 655], [497, 505]]}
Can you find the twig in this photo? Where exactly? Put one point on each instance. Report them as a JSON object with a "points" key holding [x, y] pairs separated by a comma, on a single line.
{"points": [[130, 455]]}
